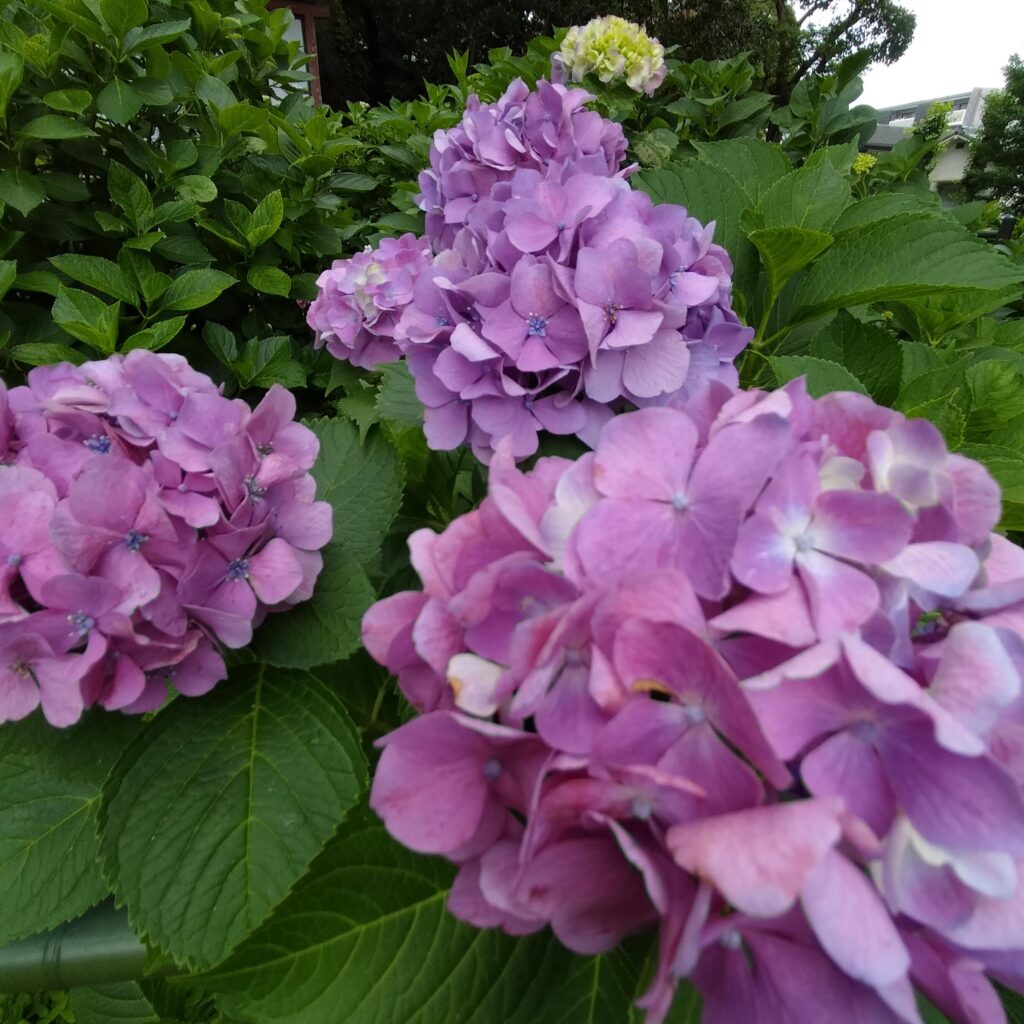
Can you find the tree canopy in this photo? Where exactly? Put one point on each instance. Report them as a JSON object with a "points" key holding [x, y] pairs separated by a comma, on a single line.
{"points": [[996, 169], [387, 48]]}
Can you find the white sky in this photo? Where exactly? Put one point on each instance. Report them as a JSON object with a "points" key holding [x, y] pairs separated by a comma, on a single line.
{"points": [[959, 44]]}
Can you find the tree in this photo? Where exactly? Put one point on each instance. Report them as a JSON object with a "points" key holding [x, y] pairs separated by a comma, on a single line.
{"points": [[996, 168], [388, 47]]}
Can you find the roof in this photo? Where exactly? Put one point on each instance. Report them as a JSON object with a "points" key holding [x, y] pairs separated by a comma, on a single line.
{"points": [[963, 95]]}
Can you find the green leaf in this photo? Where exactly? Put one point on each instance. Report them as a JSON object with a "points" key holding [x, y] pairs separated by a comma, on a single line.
{"points": [[98, 273], [270, 280], [221, 343], [118, 101], [129, 192], [946, 414], [363, 483], [265, 219], [195, 288], [872, 355], [878, 208], [155, 336], [155, 93], [823, 375], [43, 353], [396, 399], [71, 101], [117, 1003], [55, 127], [38, 281], [352, 181], [21, 189], [361, 408], [264, 769], [365, 938], [324, 629], [66, 188], [195, 188], [755, 163], [241, 117], [12, 70], [930, 318], [49, 795], [784, 251], [122, 15], [88, 319], [811, 198], [267, 361], [139, 39], [905, 256], [8, 275]]}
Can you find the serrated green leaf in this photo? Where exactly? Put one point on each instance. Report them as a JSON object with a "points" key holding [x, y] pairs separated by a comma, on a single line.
{"points": [[363, 483], [810, 198], [38, 281], [49, 794], [267, 361], [53, 127], [154, 92], [122, 15], [43, 353], [67, 188], [755, 163], [823, 375], [139, 39], [98, 273], [930, 318], [155, 336], [900, 258], [878, 208], [784, 251], [21, 189], [118, 1003], [270, 280], [995, 387], [71, 101], [365, 938], [872, 355], [945, 412], [324, 629], [935, 383], [265, 219], [129, 192], [221, 343], [195, 288], [118, 101], [352, 181], [265, 768], [195, 188], [88, 319], [241, 117], [396, 398], [12, 70], [361, 408]]}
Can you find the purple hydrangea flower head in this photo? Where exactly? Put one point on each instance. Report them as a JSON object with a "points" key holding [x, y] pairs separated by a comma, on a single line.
{"points": [[131, 493], [751, 670]]}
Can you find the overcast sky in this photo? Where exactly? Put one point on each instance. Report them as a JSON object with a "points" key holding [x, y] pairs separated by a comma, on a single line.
{"points": [[959, 44]]}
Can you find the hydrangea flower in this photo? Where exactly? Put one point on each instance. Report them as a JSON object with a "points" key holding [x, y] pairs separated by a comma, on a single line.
{"points": [[750, 671], [148, 522], [613, 50], [558, 295]]}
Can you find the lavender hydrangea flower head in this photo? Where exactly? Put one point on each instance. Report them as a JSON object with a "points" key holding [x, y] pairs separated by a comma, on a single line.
{"points": [[148, 522], [557, 295], [750, 671]]}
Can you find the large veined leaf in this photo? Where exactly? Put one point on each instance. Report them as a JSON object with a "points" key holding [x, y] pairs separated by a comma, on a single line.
{"points": [[324, 629], [119, 1003], [365, 938], [221, 804], [871, 354], [784, 251], [755, 163], [810, 198], [362, 481], [900, 258], [49, 796]]}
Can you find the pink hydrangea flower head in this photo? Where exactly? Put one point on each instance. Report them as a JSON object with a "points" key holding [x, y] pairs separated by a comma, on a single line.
{"points": [[148, 522], [750, 670]]}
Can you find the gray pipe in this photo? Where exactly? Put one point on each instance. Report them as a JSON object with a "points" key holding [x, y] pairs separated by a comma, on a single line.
{"points": [[95, 949]]}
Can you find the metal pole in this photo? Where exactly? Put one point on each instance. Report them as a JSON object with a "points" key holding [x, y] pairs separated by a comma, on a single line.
{"points": [[95, 949]]}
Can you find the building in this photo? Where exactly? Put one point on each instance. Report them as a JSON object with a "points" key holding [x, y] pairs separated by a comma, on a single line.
{"points": [[894, 123]]}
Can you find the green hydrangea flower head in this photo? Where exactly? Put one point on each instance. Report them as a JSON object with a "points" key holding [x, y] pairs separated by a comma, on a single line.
{"points": [[614, 49]]}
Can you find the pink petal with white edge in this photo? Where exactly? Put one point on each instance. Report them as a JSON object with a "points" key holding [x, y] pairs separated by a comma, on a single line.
{"points": [[937, 567], [759, 860]]}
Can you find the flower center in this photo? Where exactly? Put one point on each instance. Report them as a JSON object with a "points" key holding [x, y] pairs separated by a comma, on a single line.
{"points": [[265, 448], [560, 226], [80, 623], [804, 543], [442, 321], [98, 443], [238, 569], [612, 312], [14, 560], [492, 769], [536, 324], [642, 807], [694, 714], [680, 502], [253, 489], [134, 540], [731, 940]]}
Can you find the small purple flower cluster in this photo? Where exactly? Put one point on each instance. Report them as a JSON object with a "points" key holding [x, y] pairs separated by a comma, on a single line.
{"points": [[750, 671], [146, 519], [557, 294]]}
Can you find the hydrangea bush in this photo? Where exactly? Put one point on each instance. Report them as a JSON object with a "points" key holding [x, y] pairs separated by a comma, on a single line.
{"points": [[148, 523], [748, 671], [557, 295]]}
